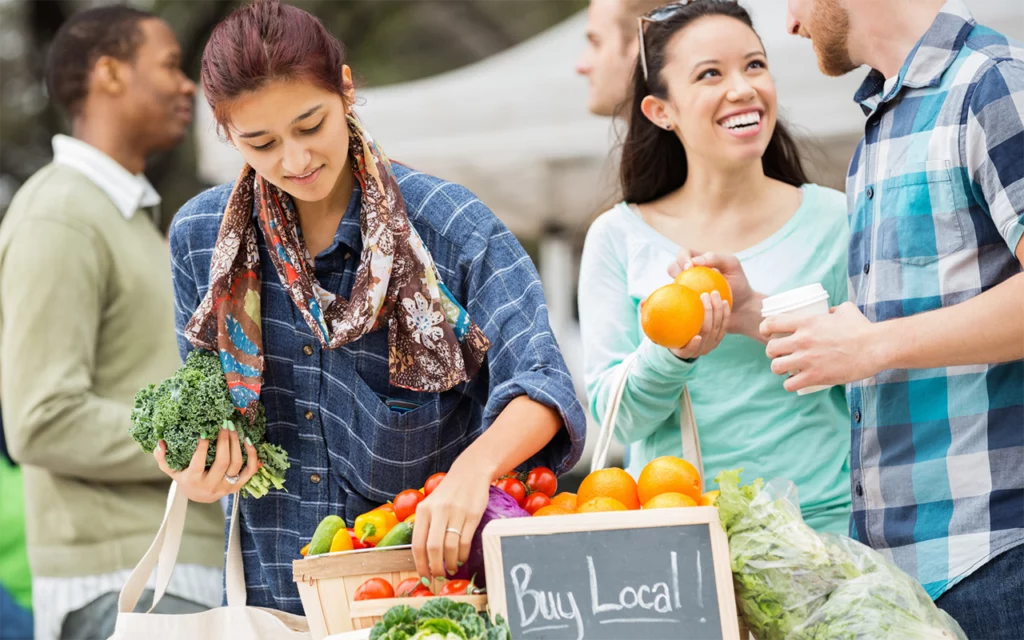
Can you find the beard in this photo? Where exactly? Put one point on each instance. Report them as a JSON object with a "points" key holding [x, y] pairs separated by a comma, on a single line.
{"points": [[829, 30]]}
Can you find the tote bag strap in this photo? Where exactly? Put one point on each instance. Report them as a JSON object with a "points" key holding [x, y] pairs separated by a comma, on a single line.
{"points": [[163, 555], [687, 423]]}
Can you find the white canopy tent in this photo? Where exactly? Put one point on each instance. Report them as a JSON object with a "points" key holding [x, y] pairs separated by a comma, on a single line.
{"points": [[514, 129]]}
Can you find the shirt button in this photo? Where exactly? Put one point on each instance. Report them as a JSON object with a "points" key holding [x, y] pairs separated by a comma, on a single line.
{"points": [[871, 192], [867, 268], [860, 490], [856, 416], [315, 478], [308, 350], [309, 415], [348, 256]]}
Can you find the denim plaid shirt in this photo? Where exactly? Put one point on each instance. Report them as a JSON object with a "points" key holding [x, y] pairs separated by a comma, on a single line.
{"points": [[349, 450], [936, 194]]}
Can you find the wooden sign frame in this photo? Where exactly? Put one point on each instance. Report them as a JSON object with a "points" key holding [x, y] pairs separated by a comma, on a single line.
{"points": [[496, 530]]}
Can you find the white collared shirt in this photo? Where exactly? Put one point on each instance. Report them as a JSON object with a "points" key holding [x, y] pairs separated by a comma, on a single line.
{"points": [[128, 192]]}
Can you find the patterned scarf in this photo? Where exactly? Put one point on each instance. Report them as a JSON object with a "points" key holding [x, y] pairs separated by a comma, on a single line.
{"points": [[432, 343]]}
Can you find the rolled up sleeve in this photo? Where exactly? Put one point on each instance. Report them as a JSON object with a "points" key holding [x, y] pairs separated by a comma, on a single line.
{"points": [[506, 300]]}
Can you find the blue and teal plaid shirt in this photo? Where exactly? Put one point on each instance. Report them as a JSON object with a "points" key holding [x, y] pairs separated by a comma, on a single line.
{"points": [[335, 412], [936, 194]]}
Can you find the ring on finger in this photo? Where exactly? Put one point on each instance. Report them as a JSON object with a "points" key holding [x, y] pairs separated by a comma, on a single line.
{"points": [[453, 530], [232, 479]]}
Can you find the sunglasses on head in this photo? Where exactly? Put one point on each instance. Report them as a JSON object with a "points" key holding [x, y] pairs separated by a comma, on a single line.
{"points": [[660, 14]]}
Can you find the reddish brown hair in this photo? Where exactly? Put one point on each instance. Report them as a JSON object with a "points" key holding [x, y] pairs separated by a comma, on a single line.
{"points": [[267, 41]]}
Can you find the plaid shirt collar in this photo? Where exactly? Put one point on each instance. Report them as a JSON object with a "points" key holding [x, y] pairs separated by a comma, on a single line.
{"points": [[928, 60]]}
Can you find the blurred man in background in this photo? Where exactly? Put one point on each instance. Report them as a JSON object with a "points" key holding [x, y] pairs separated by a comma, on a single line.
{"points": [[609, 58], [86, 320], [611, 51]]}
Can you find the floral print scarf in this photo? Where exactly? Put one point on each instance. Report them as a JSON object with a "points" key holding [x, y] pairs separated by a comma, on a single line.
{"points": [[432, 343]]}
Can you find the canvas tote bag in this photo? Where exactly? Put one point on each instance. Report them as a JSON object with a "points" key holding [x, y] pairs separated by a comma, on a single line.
{"points": [[687, 423], [233, 621]]}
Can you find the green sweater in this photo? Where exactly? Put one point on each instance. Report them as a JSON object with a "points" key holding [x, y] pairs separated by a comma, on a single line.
{"points": [[86, 319]]}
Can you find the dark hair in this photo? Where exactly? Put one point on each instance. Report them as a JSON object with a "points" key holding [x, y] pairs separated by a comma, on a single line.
{"points": [[653, 159], [82, 40], [265, 41]]}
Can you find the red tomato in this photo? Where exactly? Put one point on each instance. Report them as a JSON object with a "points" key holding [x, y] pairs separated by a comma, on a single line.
{"points": [[542, 480], [411, 587], [514, 488], [374, 589], [421, 592], [535, 501], [405, 503], [432, 483], [456, 588]]}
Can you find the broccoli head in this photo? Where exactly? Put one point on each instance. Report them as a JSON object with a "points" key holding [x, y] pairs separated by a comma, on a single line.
{"points": [[195, 403]]}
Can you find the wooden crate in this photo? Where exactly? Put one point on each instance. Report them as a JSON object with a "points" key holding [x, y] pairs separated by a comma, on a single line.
{"points": [[327, 585]]}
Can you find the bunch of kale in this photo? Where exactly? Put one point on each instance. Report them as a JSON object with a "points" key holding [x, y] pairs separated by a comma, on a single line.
{"points": [[195, 403]]}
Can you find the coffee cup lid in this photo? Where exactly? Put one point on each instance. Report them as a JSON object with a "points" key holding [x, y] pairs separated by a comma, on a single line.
{"points": [[793, 299]]}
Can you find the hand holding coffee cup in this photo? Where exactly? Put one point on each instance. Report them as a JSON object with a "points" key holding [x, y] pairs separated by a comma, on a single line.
{"points": [[811, 300]]}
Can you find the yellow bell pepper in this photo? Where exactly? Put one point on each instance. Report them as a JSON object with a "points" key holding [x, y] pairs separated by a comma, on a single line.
{"points": [[411, 519], [341, 541], [305, 550], [374, 525]]}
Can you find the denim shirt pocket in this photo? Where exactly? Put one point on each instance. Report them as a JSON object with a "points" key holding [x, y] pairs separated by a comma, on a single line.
{"points": [[397, 451], [920, 217]]}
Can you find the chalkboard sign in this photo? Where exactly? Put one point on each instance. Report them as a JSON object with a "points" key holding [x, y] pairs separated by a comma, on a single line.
{"points": [[607, 576]]}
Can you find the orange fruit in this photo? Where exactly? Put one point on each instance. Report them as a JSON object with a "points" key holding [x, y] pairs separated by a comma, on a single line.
{"points": [[672, 315], [601, 504], [609, 483], [708, 499], [565, 500], [706, 280], [552, 510], [670, 500], [669, 474]]}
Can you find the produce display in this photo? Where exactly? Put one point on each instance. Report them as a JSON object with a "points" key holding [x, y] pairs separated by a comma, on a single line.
{"points": [[438, 619], [793, 583], [195, 403], [664, 483]]}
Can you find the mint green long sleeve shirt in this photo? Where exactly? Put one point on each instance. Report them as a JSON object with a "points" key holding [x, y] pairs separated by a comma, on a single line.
{"points": [[745, 418]]}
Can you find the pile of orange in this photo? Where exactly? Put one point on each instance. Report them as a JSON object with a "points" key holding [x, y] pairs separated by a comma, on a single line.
{"points": [[674, 314], [666, 482]]}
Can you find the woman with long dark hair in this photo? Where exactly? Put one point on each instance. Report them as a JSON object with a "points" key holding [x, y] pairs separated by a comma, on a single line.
{"points": [[708, 167], [390, 325]]}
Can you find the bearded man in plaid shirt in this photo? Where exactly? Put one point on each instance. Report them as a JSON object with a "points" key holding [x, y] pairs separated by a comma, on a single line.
{"points": [[932, 345]]}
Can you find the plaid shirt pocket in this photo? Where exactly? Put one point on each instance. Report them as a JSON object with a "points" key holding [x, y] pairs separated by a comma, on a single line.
{"points": [[920, 216]]}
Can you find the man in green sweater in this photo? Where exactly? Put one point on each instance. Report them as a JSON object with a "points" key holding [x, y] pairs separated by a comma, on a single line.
{"points": [[86, 319]]}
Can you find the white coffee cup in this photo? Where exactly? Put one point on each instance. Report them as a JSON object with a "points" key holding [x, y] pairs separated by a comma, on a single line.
{"points": [[811, 300]]}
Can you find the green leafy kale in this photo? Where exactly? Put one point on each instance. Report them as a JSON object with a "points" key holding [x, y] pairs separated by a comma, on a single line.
{"points": [[195, 403]]}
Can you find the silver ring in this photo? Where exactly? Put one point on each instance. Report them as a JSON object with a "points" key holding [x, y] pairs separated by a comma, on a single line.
{"points": [[231, 479], [454, 530]]}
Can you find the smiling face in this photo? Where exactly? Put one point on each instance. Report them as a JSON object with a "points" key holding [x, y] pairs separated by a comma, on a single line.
{"points": [[295, 135], [721, 99], [156, 103]]}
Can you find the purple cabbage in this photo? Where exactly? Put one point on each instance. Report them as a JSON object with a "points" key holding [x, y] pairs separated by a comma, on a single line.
{"points": [[499, 505]]}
